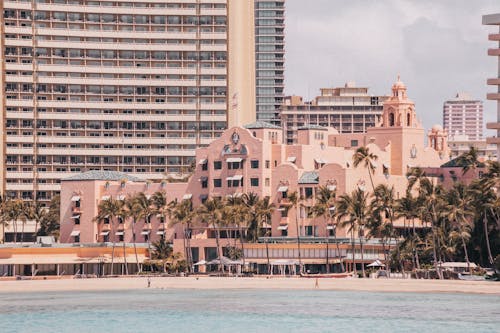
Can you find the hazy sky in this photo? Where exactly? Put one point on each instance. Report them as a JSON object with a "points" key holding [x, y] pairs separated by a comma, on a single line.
{"points": [[439, 47]]}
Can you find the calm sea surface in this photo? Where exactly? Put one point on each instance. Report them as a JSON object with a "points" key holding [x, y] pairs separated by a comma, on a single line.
{"points": [[156, 310]]}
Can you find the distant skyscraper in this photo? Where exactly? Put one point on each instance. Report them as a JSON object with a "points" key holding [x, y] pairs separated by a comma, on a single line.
{"points": [[270, 60], [494, 19], [463, 116]]}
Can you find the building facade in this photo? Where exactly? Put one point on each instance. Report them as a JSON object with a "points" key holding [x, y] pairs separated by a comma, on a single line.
{"points": [[460, 144], [132, 86], [494, 19], [254, 159], [463, 116], [270, 58], [348, 109]]}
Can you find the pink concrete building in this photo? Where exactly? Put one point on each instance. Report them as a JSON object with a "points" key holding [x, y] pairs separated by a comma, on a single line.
{"points": [[254, 159]]}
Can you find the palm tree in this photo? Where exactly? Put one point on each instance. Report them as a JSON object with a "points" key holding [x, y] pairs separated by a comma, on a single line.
{"points": [[24, 212], [109, 209], [13, 211], [38, 213], [469, 160], [459, 213], [414, 175], [182, 213], [431, 210], [3, 221], [325, 207], [264, 211], [160, 205], [294, 199], [211, 212], [363, 156], [353, 212], [251, 201], [122, 215], [407, 207], [133, 211], [239, 213], [144, 205]]}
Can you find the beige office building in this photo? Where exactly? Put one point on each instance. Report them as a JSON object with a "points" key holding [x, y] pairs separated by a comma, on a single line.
{"points": [[348, 109], [133, 86]]}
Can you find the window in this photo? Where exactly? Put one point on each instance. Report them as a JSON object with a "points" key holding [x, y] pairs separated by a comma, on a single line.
{"points": [[204, 183], [217, 182], [254, 164], [217, 165], [354, 143], [309, 230], [254, 181], [284, 212], [204, 167], [308, 191], [267, 182], [268, 164]]}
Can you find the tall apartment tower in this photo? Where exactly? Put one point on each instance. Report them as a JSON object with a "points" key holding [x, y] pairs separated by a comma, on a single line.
{"points": [[463, 116], [270, 58], [494, 19], [133, 86]]}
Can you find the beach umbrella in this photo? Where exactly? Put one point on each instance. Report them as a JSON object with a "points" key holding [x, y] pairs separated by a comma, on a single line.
{"points": [[201, 262], [376, 263]]}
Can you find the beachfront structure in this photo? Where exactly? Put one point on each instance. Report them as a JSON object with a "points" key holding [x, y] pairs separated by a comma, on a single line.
{"points": [[129, 86], [494, 19], [463, 115], [255, 159], [348, 109], [270, 59]]}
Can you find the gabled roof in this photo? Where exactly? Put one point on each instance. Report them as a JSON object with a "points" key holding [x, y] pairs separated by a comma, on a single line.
{"points": [[260, 125], [459, 162], [309, 177], [104, 175], [314, 127]]}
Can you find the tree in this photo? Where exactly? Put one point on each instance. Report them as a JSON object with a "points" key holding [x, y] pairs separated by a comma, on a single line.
{"points": [[13, 211], [432, 210], [459, 213], [363, 156], [132, 210], [264, 212], [325, 207], [160, 205], [144, 205], [239, 213], [109, 209], [469, 160], [407, 207], [182, 213], [251, 202], [353, 212], [295, 199], [211, 212], [50, 225], [37, 212]]}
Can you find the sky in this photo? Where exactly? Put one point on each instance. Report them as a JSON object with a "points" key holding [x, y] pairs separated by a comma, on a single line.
{"points": [[439, 47]]}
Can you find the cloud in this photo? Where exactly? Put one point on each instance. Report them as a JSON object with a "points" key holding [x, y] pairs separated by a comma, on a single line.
{"points": [[438, 47]]}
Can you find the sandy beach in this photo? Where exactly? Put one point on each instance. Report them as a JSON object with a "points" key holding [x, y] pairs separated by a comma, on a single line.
{"points": [[203, 282]]}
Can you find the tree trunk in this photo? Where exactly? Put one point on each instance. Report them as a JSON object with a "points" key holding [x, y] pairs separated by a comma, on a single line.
{"points": [[417, 262], [353, 249], [36, 231], [184, 242], [362, 256], [338, 250], [14, 224], [298, 237], [22, 232], [438, 271], [113, 246], [242, 247], [135, 247], [125, 256], [466, 255], [189, 252], [219, 250], [485, 222]]}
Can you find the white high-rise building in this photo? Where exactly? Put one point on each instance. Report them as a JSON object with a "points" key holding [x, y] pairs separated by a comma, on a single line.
{"points": [[132, 85], [463, 115]]}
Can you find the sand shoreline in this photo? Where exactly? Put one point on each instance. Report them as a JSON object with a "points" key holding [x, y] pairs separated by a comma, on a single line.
{"points": [[274, 283]]}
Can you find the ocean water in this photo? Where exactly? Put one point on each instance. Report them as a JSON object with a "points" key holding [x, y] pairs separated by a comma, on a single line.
{"points": [[157, 310]]}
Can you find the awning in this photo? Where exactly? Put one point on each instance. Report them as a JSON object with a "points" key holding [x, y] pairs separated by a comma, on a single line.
{"points": [[282, 188], [145, 232], [291, 159], [148, 196], [238, 177], [120, 197], [387, 166], [75, 216], [203, 196], [282, 209], [203, 161], [187, 196], [331, 187], [362, 188], [203, 178], [75, 233], [105, 197], [234, 159], [283, 227], [330, 227], [160, 232], [75, 198], [374, 165], [119, 233], [104, 233], [319, 161]]}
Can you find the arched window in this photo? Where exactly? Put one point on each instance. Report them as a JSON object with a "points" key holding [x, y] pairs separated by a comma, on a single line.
{"points": [[391, 119], [408, 120]]}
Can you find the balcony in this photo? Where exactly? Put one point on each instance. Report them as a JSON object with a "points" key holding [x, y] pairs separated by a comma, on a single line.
{"points": [[494, 82], [494, 52], [494, 37], [493, 140], [493, 96], [494, 126]]}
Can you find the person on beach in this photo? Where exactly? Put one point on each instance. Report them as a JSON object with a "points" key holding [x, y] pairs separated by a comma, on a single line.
{"points": [[316, 285], [149, 282]]}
